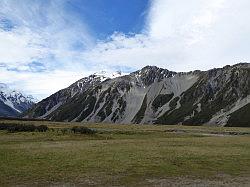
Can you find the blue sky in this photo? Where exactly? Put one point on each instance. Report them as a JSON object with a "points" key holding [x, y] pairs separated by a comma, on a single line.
{"points": [[45, 45], [105, 17]]}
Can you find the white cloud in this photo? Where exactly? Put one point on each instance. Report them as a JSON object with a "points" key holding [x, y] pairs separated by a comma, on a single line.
{"points": [[169, 18], [183, 36], [43, 84], [19, 47], [41, 29]]}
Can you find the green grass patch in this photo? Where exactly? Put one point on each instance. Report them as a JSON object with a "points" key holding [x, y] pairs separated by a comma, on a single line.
{"points": [[119, 155]]}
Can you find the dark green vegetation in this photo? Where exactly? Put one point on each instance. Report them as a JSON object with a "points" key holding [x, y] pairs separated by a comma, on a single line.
{"points": [[141, 113], [82, 130], [161, 100], [124, 155], [106, 110], [73, 108], [240, 118], [13, 127], [120, 110], [18, 127]]}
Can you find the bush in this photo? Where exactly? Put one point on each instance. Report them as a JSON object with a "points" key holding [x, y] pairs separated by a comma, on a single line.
{"points": [[82, 130], [22, 128], [42, 128]]}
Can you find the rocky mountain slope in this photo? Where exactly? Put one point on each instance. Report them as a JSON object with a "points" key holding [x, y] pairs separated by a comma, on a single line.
{"points": [[154, 95], [13, 103]]}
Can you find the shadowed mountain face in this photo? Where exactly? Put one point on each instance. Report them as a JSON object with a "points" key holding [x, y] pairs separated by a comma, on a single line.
{"points": [[13, 103], [155, 96]]}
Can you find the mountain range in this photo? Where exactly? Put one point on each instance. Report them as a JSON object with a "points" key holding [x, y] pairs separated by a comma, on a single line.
{"points": [[152, 95], [12, 102]]}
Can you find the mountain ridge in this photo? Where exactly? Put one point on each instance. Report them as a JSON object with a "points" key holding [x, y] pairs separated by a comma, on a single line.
{"points": [[154, 95]]}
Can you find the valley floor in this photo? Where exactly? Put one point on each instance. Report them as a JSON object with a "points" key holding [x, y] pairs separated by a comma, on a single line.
{"points": [[125, 155]]}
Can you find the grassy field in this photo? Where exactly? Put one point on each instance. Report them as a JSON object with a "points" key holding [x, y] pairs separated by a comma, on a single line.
{"points": [[125, 155]]}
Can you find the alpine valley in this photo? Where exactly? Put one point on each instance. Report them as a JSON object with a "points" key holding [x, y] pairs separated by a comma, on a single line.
{"points": [[152, 95]]}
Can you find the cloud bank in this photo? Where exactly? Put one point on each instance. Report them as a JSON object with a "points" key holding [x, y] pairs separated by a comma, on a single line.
{"points": [[44, 48], [183, 36]]}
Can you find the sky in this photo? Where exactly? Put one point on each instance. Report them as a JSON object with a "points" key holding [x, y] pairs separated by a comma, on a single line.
{"points": [[46, 45]]}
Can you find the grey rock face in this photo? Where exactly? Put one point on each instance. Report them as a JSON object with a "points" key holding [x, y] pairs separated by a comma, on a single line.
{"points": [[154, 95]]}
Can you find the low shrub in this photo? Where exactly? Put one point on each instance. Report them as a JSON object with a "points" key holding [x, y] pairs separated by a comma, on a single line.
{"points": [[12, 127], [42, 128], [82, 130]]}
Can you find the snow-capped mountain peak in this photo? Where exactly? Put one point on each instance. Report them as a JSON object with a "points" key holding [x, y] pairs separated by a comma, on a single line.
{"points": [[104, 75], [13, 102]]}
